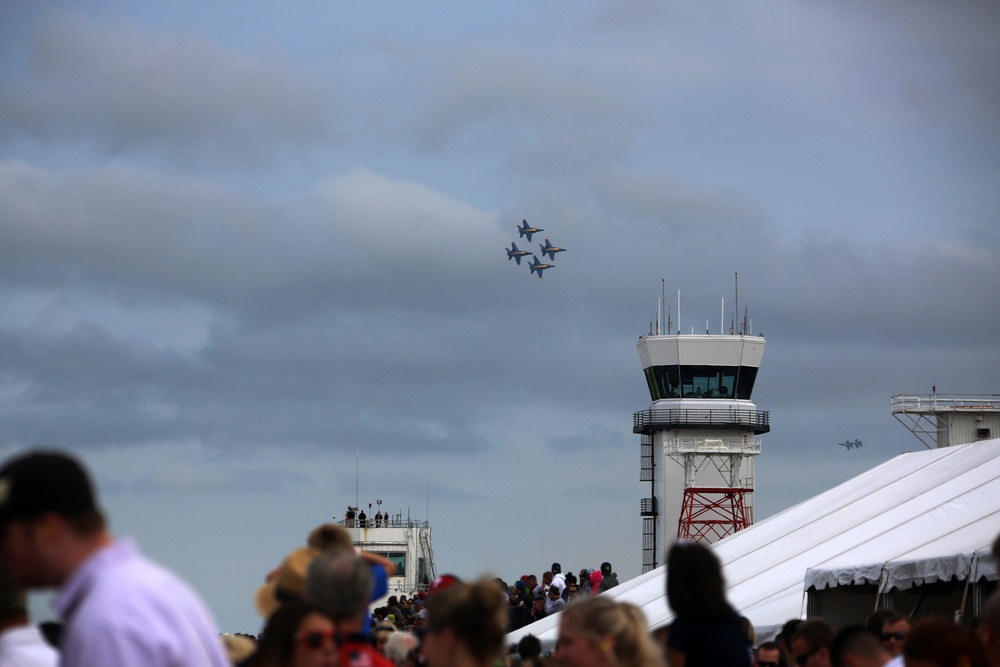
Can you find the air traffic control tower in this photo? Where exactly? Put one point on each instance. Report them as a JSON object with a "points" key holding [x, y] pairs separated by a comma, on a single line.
{"points": [[698, 437]]}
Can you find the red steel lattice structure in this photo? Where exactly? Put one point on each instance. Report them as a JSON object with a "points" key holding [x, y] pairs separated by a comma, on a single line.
{"points": [[710, 514]]}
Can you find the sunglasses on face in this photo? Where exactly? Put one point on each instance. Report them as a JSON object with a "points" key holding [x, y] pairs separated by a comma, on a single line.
{"points": [[898, 636], [801, 660], [316, 638]]}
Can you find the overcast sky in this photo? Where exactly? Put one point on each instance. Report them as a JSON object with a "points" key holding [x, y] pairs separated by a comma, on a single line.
{"points": [[242, 242]]}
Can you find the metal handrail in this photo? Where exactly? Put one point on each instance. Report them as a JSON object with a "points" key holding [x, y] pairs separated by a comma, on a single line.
{"points": [[750, 446], [914, 402], [392, 522], [654, 417]]}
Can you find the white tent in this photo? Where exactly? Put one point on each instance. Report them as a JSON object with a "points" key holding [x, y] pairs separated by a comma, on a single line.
{"points": [[919, 517]]}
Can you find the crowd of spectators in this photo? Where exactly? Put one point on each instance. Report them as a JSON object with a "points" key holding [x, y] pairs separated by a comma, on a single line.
{"points": [[119, 608]]}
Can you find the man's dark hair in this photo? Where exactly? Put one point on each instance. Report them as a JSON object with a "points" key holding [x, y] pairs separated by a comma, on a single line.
{"points": [[772, 646], [529, 647], [892, 619], [816, 632], [876, 620], [855, 640], [41, 482], [788, 631]]}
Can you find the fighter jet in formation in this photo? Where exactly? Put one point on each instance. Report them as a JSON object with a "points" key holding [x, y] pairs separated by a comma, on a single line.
{"points": [[851, 444], [537, 266], [525, 230], [550, 250], [516, 254]]}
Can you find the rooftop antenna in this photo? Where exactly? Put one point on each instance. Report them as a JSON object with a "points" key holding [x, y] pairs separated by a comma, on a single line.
{"points": [[736, 304], [722, 317], [678, 311], [357, 477], [663, 299]]}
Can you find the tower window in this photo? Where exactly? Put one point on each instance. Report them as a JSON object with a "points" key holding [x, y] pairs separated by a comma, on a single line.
{"points": [[700, 381]]}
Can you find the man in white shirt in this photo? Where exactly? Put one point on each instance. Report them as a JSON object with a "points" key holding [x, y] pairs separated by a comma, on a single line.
{"points": [[118, 607], [21, 644], [558, 578]]}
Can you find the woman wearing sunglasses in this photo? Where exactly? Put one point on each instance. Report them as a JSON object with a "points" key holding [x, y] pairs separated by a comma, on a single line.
{"points": [[298, 634]]}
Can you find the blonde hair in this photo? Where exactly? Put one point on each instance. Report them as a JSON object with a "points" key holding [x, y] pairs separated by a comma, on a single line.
{"points": [[601, 618], [399, 645]]}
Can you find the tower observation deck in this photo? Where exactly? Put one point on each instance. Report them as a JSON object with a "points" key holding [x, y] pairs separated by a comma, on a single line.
{"points": [[944, 420], [698, 436]]}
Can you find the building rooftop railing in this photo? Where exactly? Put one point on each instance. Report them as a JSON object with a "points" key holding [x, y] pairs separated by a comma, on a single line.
{"points": [[658, 419], [750, 446], [391, 522], [935, 402]]}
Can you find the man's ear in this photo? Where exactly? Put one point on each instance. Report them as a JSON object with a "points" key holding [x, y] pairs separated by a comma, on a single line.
{"points": [[48, 527]]}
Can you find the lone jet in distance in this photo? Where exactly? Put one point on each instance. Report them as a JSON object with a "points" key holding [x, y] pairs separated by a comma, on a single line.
{"points": [[550, 250], [514, 253], [851, 444], [538, 266], [526, 230]]}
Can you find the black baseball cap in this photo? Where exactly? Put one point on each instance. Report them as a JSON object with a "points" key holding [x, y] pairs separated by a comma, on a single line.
{"points": [[44, 481]]}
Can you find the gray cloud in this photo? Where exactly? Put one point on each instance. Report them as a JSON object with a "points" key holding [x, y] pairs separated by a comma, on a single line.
{"points": [[225, 343], [132, 90]]}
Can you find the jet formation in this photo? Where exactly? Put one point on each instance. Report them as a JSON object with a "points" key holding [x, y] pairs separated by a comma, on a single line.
{"points": [[850, 444], [536, 266]]}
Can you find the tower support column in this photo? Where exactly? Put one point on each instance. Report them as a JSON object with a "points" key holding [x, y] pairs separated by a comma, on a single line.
{"points": [[710, 514]]}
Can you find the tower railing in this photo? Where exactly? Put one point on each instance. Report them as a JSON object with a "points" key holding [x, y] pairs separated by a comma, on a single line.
{"points": [[935, 419], [654, 419], [749, 446], [932, 402]]}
